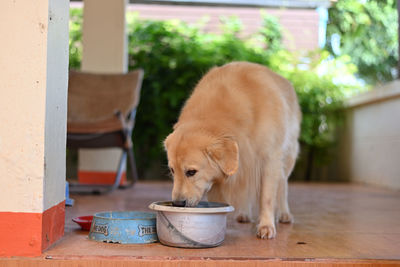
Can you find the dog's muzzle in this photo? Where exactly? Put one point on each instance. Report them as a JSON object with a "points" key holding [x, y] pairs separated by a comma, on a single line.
{"points": [[179, 203]]}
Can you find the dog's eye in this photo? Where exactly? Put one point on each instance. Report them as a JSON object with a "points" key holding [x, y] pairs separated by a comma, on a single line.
{"points": [[171, 170], [190, 173]]}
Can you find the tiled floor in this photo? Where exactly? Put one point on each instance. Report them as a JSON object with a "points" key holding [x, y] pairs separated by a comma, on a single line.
{"points": [[333, 220], [333, 223]]}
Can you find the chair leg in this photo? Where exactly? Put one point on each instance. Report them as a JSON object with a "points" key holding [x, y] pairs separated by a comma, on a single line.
{"points": [[119, 172], [132, 163]]}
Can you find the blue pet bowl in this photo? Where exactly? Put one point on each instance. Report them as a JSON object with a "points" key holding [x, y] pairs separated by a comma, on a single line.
{"points": [[124, 227]]}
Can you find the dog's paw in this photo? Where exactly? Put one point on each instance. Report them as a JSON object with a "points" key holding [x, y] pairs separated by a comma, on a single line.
{"points": [[286, 218], [242, 218], [266, 231]]}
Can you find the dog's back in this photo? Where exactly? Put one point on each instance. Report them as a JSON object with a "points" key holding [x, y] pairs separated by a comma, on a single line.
{"points": [[243, 97]]}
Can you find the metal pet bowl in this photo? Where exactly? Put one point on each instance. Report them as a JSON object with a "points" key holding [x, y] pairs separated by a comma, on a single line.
{"points": [[124, 227], [202, 226]]}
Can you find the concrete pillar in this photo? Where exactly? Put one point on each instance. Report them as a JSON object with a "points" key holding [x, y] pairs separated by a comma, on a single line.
{"points": [[33, 113], [104, 51]]}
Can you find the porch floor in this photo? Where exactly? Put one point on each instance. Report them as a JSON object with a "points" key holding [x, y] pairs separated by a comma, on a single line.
{"points": [[342, 223]]}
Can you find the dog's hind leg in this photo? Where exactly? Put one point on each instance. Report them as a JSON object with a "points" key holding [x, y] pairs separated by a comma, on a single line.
{"points": [[283, 206], [243, 218]]}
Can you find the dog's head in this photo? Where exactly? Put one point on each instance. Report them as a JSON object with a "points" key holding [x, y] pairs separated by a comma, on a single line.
{"points": [[197, 161]]}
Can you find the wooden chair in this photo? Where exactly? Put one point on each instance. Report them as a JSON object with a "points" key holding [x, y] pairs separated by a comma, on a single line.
{"points": [[101, 114]]}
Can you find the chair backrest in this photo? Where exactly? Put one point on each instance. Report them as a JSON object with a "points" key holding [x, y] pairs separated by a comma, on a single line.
{"points": [[96, 97]]}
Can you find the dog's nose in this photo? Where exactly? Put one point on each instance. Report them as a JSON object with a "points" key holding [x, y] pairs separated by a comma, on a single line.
{"points": [[179, 203]]}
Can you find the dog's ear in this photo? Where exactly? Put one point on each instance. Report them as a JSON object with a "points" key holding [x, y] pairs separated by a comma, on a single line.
{"points": [[166, 141], [225, 152], [175, 126]]}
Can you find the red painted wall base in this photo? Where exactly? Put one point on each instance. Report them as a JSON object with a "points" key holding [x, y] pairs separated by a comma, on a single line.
{"points": [[29, 234]]}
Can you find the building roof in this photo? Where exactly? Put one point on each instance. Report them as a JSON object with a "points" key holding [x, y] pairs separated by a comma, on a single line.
{"points": [[252, 3]]}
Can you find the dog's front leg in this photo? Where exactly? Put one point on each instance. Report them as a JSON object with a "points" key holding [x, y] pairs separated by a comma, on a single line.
{"points": [[272, 173]]}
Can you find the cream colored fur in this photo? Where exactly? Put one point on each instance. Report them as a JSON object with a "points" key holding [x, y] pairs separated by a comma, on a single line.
{"points": [[238, 133]]}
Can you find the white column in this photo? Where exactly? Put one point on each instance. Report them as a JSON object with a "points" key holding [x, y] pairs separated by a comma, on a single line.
{"points": [[33, 101], [104, 51]]}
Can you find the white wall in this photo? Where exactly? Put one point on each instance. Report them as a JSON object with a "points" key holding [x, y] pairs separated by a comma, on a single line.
{"points": [[27, 84], [370, 150]]}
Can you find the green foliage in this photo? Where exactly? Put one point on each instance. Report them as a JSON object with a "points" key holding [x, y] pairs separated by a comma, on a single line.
{"points": [[319, 100], [368, 32], [75, 38], [175, 55], [271, 34], [321, 88]]}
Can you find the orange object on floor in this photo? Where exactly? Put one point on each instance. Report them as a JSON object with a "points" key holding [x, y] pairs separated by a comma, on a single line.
{"points": [[97, 177]]}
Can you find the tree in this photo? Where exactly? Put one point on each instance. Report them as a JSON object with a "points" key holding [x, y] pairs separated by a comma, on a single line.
{"points": [[368, 33]]}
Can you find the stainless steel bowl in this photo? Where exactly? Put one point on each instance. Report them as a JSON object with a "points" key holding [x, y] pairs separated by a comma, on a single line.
{"points": [[202, 226]]}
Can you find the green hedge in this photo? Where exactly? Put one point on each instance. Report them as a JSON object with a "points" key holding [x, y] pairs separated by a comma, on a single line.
{"points": [[368, 32], [175, 55]]}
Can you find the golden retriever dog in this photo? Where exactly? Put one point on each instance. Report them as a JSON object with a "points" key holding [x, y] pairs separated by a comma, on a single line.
{"points": [[236, 141]]}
